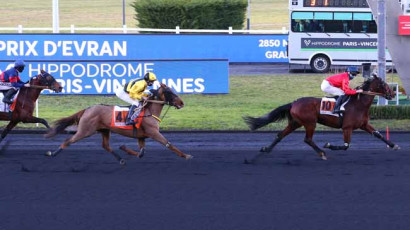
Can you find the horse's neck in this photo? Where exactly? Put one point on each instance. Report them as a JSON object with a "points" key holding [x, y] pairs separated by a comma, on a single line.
{"points": [[29, 93], [155, 109], [365, 100]]}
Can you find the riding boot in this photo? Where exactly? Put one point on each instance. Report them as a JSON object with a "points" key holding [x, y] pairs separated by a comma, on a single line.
{"points": [[129, 120], [8, 96], [338, 104]]}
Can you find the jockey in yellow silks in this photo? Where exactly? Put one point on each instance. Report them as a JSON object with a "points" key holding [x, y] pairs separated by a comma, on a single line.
{"points": [[134, 93]]}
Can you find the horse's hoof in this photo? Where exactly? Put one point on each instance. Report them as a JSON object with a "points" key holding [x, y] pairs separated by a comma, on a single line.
{"points": [[323, 156], [122, 162], [264, 150], [396, 147], [327, 145], [189, 157], [142, 152], [49, 154], [123, 148]]}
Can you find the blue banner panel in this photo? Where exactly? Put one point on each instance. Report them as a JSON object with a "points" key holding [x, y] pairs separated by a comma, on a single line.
{"points": [[103, 77], [247, 48]]}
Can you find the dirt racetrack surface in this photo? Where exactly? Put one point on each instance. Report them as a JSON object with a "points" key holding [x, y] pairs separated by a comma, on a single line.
{"points": [[365, 187]]}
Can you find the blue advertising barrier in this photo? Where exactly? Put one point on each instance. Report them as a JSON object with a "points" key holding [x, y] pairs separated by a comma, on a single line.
{"points": [[270, 48], [103, 77]]}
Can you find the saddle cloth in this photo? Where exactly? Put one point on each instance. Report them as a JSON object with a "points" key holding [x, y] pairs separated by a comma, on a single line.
{"points": [[6, 107], [328, 103], [119, 115]]}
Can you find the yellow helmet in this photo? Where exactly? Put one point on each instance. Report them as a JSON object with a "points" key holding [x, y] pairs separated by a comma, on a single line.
{"points": [[150, 77]]}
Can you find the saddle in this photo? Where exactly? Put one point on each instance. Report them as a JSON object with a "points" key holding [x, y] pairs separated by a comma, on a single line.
{"points": [[4, 107], [119, 115], [327, 105]]}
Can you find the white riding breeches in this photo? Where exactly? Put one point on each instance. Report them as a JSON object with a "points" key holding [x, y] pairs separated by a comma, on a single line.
{"points": [[328, 88], [126, 97], [6, 86]]}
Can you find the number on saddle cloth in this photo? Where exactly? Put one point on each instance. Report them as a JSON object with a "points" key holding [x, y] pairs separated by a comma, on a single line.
{"points": [[119, 116], [327, 105]]}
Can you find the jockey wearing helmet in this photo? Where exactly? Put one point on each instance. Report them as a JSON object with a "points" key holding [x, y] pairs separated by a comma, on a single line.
{"points": [[133, 93], [339, 85], [11, 81]]}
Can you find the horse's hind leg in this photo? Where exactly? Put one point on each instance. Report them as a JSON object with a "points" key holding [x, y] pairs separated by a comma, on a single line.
{"points": [[106, 145], [82, 132], [140, 154], [368, 128], [8, 128], [347, 133], [292, 126], [310, 130]]}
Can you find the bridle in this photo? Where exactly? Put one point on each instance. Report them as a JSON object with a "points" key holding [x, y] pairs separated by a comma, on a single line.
{"points": [[381, 85], [44, 82], [169, 100], [168, 94]]}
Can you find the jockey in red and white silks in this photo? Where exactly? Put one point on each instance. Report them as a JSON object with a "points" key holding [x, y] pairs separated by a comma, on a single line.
{"points": [[338, 85]]}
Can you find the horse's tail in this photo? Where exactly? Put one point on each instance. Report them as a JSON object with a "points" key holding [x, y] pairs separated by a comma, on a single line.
{"points": [[277, 114], [63, 123]]}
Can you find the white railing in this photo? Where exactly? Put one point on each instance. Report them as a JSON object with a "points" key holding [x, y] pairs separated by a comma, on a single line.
{"points": [[125, 29]]}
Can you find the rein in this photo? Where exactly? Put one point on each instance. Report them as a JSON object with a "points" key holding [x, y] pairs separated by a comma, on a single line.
{"points": [[372, 93], [156, 102], [39, 87]]}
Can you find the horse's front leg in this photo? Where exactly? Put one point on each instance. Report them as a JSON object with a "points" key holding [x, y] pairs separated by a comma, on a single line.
{"points": [[8, 128], [368, 128], [32, 119], [347, 133], [156, 135]]}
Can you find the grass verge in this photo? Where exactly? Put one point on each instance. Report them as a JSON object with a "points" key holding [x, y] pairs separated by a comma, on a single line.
{"points": [[249, 95]]}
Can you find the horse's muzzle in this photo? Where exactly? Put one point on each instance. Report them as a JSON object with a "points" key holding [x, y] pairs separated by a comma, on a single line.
{"points": [[57, 89]]}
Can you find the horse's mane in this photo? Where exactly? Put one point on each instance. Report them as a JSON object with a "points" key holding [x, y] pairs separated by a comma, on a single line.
{"points": [[154, 94], [167, 92], [366, 84]]}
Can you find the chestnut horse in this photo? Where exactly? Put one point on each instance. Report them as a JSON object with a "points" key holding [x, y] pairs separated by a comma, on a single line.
{"points": [[25, 102], [98, 118], [305, 112]]}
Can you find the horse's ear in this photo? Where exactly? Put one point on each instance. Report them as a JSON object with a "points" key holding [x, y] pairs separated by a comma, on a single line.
{"points": [[42, 71], [163, 85], [374, 74]]}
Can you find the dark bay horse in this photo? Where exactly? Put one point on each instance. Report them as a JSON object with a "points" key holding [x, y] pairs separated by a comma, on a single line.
{"points": [[305, 112], [98, 118], [25, 102]]}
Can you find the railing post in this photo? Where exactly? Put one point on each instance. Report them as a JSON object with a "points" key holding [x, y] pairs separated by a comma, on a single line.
{"points": [[20, 29], [124, 29], [37, 110], [284, 30], [72, 29], [230, 30], [177, 30]]}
